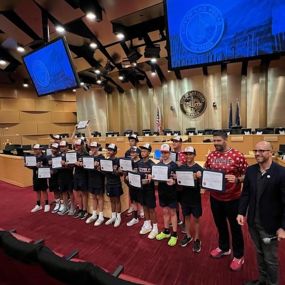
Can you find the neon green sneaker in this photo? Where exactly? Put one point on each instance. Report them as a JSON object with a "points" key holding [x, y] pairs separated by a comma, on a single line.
{"points": [[162, 236], [172, 241]]}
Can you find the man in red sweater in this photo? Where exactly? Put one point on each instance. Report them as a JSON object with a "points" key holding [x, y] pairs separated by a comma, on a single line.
{"points": [[225, 204]]}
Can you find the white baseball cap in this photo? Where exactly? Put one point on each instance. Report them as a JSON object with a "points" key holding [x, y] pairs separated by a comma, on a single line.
{"points": [[190, 149], [54, 145], [146, 146], [78, 142], [177, 139], [165, 147], [63, 143], [36, 146], [112, 146], [94, 144]]}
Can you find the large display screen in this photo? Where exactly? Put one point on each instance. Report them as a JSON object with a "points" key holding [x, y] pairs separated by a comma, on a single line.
{"points": [[51, 69], [213, 31]]}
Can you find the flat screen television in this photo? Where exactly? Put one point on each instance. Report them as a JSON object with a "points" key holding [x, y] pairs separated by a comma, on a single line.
{"points": [[51, 69], [205, 32]]}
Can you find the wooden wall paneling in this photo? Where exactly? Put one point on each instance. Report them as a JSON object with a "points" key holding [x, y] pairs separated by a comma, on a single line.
{"points": [[63, 117], [9, 116], [29, 116]]}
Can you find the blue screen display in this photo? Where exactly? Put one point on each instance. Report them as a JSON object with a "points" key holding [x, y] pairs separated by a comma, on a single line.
{"points": [[50, 68], [212, 31]]}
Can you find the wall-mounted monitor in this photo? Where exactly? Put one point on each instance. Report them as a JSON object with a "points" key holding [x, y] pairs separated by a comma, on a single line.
{"points": [[204, 32], [50, 68]]}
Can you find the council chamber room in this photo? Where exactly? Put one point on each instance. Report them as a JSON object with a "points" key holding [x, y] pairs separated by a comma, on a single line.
{"points": [[142, 142]]}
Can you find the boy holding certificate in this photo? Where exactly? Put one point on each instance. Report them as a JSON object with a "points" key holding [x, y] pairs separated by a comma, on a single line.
{"points": [[167, 197], [96, 181], [147, 193], [114, 186], [39, 184], [191, 197], [133, 191]]}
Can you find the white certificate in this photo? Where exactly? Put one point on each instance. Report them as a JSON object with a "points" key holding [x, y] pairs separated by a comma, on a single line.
{"points": [[88, 162], [31, 161], [56, 162], [44, 172], [173, 156], [70, 157], [135, 180], [48, 151], [126, 164], [82, 124], [213, 180], [159, 173], [106, 165], [185, 178]]}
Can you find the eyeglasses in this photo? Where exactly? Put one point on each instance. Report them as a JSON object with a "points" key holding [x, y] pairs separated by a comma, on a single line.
{"points": [[260, 150]]}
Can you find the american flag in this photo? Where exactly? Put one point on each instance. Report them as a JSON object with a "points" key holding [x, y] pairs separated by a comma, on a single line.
{"points": [[158, 120]]}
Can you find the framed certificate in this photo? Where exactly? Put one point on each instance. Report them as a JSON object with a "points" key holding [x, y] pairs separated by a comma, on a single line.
{"points": [[185, 178], [213, 180], [126, 165], [135, 180], [88, 162], [106, 165], [44, 172], [159, 173], [70, 157], [56, 162], [173, 156], [30, 161], [82, 125]]}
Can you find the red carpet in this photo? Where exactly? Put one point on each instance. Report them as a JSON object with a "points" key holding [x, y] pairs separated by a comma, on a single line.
{"points": [[107, 247]]}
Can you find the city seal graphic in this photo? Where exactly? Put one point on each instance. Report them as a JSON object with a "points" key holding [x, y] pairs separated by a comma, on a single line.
{"points": [[201, 28], [193, 104]]}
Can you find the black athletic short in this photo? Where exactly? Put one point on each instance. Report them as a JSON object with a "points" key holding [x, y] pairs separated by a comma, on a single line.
{"points": [[80, 184], [53, 184], [40, 184], [96, 190], [65, 186], [135, 194], [148, 198], [114, 190], [195, 210]]}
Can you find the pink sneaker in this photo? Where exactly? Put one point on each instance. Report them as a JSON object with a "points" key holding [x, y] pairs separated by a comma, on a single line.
{"points": [[217, 253], [237, 264]]}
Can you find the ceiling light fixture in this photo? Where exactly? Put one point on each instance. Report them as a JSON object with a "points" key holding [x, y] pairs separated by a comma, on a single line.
{"points": [[91, 16], [99, 81], [73, 90], [25, 85], [120, 36], [3, 62], [153, 60], [97, 71], [82, 83], [121, 77], [60, 29], [20, 49], [93, 45]]}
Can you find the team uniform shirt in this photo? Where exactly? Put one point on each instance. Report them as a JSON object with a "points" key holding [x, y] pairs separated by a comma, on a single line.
{"points": [[80, 173], [112, 178], [191, 195], [144, 169], [53, 180], [230, 162], [96, 179], [128, 153], [65, 174]]}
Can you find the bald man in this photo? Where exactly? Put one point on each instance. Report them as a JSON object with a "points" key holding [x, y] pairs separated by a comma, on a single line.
{"points": [[263, 200]]}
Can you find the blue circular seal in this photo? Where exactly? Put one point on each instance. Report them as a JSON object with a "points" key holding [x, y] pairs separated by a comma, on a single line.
{"points": [[40, 73], [201, 28]]}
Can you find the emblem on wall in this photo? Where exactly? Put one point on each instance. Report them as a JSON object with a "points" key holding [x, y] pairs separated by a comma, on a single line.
{"points": [[193, 104]]}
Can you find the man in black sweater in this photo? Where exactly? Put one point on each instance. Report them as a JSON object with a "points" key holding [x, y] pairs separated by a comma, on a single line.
{"points": [[263, 201]]}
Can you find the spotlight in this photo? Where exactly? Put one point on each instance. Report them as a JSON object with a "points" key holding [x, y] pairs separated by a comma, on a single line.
{"points": [[73, 90], [153, 60], [134, 64], [25, 85], [153, 73], [97, 71], [60, 29], [91, 16], [3, 62], [121, 77], [82, 83], [93, 45], [20, 49], [99, 81], [120, 36]]}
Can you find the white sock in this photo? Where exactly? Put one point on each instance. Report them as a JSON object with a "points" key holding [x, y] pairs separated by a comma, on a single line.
{"points": [[94, 214], [148, 224], [154, 227], [113, 215], [119, 215], [101, 217]]}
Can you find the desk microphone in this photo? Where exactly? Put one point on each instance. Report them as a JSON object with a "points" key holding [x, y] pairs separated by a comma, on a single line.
{"points": [[268, 240]]}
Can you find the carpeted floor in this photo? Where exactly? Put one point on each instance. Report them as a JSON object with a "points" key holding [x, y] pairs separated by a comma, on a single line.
{"points": [[153, 261]]}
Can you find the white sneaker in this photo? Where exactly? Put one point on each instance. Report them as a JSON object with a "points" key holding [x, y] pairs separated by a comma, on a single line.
{"points": [[132, 222], [36, 208], [110, 221], [56, 208], [47, 208], [117, 222], [99, 222], [71, 212], [64, 210], [145, 230], [91, 219], [153, 234]]}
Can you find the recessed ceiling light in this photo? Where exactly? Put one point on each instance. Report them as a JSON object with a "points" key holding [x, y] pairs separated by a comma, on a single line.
{"points": [[60, 29], [90, 16], [153, 73], [20, 49], [153, 60], [26, 85], [134, 64], [97, 71], [120, 36], [93, 45], [81, 83], [121, 77], [73, 90], [3, 62], [99, 81], [168, 71]]}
